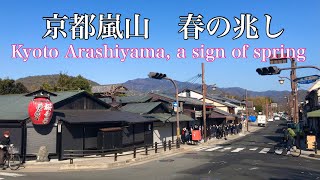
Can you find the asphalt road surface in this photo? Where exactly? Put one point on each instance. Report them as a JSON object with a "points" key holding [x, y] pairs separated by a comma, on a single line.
{"points": [[250, 157]]}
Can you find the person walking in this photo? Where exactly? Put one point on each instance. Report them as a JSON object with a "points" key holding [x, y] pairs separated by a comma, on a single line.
{"points": [[183, 135], [187, 135], [291, 139]]}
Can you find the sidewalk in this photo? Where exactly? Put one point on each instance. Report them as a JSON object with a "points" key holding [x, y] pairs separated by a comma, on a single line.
{"points": [[310, 154], [125, 159]]}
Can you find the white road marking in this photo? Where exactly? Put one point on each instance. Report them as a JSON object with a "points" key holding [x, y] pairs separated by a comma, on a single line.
{"points": [[264, 150], [200, 148], [215, 148], [278, 151], [253, 168], [224, 149], [238, 150], [253, 149], [11, 174]]}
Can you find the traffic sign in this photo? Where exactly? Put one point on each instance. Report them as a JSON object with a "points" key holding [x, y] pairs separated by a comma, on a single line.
{"points": [[279, 59], [307, 79], [175, 104]]}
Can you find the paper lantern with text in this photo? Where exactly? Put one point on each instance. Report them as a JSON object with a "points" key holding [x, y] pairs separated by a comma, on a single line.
{"points": [[40, 110]]}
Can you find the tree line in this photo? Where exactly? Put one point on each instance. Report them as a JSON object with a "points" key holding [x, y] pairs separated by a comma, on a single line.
{"points": [[64, 83], [10, 86], [68, 83]]}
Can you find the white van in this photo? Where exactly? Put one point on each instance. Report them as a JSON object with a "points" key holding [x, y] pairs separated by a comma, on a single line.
{"points": [[262, 120]]}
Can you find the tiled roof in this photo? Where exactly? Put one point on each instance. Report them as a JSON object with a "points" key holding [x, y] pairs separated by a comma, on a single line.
{"points": [[133, 99], [185, 100], [94, 116], [140, 108], [104, 88], [218, 99], [15, 107]]}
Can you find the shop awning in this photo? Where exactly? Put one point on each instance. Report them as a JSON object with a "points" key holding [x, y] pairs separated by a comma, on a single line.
{"points": [[315, 113], [99, 116]]}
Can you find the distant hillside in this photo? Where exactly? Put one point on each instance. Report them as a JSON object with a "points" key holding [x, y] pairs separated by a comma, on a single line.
{"points": [[34, 82], [153, 85], [145, 85]]}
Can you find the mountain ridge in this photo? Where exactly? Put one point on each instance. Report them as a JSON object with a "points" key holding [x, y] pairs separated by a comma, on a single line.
{"points": [[145, 85]]}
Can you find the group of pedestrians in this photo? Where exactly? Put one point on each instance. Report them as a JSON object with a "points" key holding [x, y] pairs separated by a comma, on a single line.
{"points": [[223, 130], [213, 131], [186, 134]]}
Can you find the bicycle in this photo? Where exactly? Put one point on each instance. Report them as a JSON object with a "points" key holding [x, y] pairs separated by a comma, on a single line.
{"points": [[12, 158], [281, 149]]}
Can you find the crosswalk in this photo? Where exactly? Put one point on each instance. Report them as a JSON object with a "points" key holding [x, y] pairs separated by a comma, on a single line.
{"points": [[260, 150], [5, 175]]}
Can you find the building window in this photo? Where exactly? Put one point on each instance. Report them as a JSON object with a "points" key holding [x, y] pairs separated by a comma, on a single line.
{"points": [[188, 94]]}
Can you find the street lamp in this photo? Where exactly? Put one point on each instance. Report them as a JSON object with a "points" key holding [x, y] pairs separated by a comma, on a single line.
{"points": [[281, 80], [160, 76]]}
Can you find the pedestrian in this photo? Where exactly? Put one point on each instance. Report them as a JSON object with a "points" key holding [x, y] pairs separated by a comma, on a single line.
{"points": [[187, 135], [237, 128], [291, 138], [232, 129], [183, 135], [214, 130], [224, 131], [4, 141], [219, 132], [240, 127]]}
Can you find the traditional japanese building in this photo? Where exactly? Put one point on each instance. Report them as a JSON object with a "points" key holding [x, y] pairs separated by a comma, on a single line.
{"points": [[77, 121]]}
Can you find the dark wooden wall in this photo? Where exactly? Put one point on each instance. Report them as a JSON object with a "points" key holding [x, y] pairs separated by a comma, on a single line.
{"points": [[80, 103]]}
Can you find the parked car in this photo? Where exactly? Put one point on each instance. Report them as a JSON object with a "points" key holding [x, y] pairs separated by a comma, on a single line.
{"points": [[270, 119], [277, 118]]}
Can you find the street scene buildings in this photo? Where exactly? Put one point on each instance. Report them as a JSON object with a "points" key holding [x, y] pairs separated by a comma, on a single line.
{"points": [[170, 90], [108, 121]]}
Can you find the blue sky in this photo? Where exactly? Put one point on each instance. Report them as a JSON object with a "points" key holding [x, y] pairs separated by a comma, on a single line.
{"points": [[23, 24]]}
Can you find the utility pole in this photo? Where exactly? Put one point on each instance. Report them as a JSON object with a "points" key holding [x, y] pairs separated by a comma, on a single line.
{"points": [[294, 91], [295, 98], [267, 105], [204, 111], [247, 111]]}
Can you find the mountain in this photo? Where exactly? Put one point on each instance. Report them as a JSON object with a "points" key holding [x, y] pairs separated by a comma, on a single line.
{"points": [[145, 85], [153, 85], [33, 83]]}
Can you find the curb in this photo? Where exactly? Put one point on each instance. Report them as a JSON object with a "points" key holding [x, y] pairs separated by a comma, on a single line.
{"points": [[123, 163], [309, 157], [101, 165]]}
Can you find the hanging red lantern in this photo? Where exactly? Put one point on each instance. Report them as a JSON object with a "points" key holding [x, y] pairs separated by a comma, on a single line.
{"points": [[40, 110]]}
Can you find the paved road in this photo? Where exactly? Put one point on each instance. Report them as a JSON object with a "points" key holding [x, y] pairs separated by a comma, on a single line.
{"points": [[250, 157]]}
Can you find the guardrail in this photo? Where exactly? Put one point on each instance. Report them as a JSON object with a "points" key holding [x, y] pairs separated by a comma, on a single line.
{"points": [[72, 154]]}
